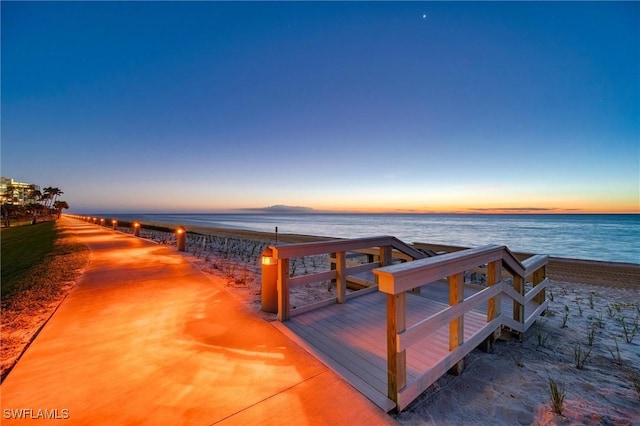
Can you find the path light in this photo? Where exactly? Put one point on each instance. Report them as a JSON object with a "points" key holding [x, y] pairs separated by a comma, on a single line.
{"points": [[269, 287], [95, 220], [114, 223], [136, 229], [102, 221], [180, 236]]}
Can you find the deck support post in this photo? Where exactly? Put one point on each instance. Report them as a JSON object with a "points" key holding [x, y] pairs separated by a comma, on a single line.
{"points": [[456, 327], [283, 290], [396, 361], [341, 278]]}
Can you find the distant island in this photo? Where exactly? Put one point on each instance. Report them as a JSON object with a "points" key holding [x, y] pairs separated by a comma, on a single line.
{"points": [[281, 208]]}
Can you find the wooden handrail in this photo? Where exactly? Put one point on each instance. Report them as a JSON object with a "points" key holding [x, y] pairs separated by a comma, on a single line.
{"points": [[287, 251], [397, 280], [383, 245], [534, 263]]}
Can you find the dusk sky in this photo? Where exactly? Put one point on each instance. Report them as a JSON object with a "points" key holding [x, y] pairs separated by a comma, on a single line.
{"points": [[384, 106]]}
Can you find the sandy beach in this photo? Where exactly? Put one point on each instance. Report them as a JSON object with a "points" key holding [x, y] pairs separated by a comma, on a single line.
{"points": [[588, 342]]}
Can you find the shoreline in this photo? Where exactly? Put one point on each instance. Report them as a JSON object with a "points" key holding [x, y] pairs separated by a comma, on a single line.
{"points": [[584, 271]]}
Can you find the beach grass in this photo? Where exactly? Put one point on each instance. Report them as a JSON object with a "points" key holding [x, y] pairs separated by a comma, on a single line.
{"points": [[22, 249], [556, 396]]}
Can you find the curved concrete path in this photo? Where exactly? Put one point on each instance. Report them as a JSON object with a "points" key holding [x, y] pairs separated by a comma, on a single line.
{"points": [[146, 338]]}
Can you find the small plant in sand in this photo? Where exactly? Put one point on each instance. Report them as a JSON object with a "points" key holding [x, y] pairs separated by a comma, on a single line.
{"points": [[579, 307], [294, 266], [231, 271], [550, 295], [517, 358], [609, 311], [241, 278], [549, 313], [580, 356], [565, 316], [628, 331], [556, 395], [591, 302], [541, 337], [616, 356], [634, 377], [591, 334], [599, 320]]}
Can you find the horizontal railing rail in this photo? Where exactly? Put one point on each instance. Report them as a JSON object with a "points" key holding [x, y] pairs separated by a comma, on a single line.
{"points": [[382, 250]]}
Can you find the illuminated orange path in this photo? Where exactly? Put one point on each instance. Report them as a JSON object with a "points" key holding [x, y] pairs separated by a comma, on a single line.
{"points": [[146, 338]]}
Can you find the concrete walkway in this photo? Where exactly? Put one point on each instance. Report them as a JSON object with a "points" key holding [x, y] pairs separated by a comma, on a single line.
{"points": [[145, 338]]}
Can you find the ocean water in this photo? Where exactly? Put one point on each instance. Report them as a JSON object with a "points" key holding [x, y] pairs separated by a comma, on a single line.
{"points": [[597, 237]]}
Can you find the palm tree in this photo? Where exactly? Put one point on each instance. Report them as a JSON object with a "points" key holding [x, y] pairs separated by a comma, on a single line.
{"points": [[47, 196], [34, 194], [56, 192], [59, 206]]}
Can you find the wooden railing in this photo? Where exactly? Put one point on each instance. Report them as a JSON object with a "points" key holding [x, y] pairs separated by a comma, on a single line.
{"points": [[397, 280], [386, 247]]}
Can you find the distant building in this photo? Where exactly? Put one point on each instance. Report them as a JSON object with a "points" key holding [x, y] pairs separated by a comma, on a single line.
{"points": [[17, 193]]}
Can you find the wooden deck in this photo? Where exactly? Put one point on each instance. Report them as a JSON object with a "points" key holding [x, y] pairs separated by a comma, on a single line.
{"points": [[351, 338], [391, 342]]}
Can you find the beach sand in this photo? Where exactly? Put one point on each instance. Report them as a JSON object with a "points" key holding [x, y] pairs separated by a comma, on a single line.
{"points": [[510, 385], [588, 343]]}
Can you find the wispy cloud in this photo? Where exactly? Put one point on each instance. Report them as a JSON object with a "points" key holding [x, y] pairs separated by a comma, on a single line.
{"points": [[518, 209]]}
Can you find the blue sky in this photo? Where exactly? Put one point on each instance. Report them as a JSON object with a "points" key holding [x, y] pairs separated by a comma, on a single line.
{"points": [[383, 106]]}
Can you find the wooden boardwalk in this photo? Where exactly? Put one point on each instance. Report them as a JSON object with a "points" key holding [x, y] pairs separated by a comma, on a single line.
{"points": [[351, 338], [390, 341]]}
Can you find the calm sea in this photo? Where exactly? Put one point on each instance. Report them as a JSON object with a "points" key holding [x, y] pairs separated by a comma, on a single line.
{"points": [[599, 237]]}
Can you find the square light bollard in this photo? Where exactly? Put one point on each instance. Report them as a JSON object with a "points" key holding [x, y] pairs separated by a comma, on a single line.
{"points": [[181, 235], [269, 287]]}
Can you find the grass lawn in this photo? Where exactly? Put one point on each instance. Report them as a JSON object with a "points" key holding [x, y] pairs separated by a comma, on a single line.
{"points": [[22, 249], [40, 265]]}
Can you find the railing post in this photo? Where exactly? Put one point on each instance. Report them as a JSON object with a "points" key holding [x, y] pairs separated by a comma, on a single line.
{"points": [[396, 361], [283, 289], [341, 277], [456, 327], [385, 255], [518, 308], [494, 275], [332, 265], [538, 277], [385, 259]]}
